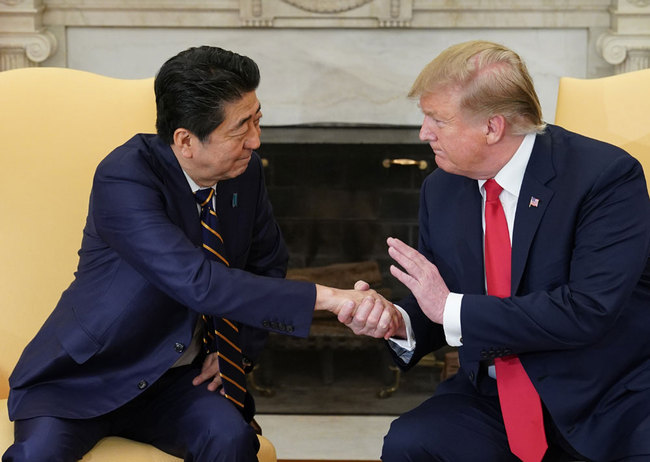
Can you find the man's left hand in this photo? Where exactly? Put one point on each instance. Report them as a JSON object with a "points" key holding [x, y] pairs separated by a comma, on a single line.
{"points": [[210, 371], [421, 277]]}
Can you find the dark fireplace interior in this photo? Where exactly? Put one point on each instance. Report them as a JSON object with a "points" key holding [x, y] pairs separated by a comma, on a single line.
{"points": [[337, 199], [337, 194]]}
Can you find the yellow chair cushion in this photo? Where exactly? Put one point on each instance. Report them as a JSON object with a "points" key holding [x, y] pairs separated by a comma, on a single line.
{"points": [[56, 125], [614, 109]]}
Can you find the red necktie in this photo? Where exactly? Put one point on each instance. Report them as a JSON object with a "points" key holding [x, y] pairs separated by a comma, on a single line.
{"points": [[520, 403]]}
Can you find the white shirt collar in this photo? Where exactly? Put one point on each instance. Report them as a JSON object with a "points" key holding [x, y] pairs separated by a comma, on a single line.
{"points": [[511, 176], [195, 187]]}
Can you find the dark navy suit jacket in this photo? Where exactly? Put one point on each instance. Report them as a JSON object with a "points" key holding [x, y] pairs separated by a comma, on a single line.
{"points": [[579, 318], [143, 279]]}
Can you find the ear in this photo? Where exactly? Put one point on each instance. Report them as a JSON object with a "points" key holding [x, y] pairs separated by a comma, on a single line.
{"points": [[184, 142], [495, 129]]}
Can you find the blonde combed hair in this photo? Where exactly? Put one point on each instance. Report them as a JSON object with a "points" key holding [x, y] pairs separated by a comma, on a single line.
{"points": [[492, 79]]}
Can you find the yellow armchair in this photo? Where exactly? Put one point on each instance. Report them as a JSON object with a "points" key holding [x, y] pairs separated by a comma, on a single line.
{"points": [[56, 125], [613, 109]]}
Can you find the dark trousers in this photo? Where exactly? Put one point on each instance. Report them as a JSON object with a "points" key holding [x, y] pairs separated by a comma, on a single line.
{"points": [[460, 424], [173, 415]]}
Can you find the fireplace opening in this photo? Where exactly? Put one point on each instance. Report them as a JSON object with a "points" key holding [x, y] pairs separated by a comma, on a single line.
{"points": [[337, 194], [337, 201]]}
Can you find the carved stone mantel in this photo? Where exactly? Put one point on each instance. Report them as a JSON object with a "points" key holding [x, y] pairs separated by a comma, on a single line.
{"points": [[25, 39], [326, 13], [627, 43], [24, 42], [334, 14]]}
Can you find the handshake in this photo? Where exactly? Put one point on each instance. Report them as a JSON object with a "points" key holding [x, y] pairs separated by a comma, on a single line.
{"points": [[367, 313], [363, 310]]}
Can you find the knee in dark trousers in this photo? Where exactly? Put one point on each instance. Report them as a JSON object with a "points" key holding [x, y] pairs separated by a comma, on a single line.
{"points": [[51, 439], [449, 428], [235, 443]]}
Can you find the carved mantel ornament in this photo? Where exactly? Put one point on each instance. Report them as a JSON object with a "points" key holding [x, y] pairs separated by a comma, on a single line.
{"points": [[327, 6], [627, 44], [23, 42], [334, 14]]}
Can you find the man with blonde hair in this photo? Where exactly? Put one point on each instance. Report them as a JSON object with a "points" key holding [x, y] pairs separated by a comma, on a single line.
{"points": [[533, 260]]}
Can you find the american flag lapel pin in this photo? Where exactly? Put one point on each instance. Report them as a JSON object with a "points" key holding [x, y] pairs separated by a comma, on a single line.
{"points": [[534, 202]]}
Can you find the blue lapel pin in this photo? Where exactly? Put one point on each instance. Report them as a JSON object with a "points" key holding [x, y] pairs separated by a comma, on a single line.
{"points": [[234, 200]]}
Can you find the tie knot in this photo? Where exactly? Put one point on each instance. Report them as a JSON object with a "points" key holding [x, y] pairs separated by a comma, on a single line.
{"points": [[204, 196], [492, 190]]}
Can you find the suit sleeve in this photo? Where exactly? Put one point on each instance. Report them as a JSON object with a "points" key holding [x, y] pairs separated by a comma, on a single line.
{"points": [[129, 214]]}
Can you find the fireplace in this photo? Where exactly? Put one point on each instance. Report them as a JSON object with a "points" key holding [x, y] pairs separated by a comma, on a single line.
{"points": [[337, 193]]}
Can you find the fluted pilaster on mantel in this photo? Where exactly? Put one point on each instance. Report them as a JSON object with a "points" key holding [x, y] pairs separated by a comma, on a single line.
{"points": [[23, 40], [627, 44]]}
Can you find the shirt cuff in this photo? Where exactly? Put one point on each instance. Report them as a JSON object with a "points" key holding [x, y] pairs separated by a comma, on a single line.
{"points": [[451, 320], [404, 347], [409, 342]]}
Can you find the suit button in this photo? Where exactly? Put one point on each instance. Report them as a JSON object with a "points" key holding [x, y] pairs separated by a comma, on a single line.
{"points": [[274, 325], [265, 323], [179, 347], [290, 329], [142, 384], [484, 354]]}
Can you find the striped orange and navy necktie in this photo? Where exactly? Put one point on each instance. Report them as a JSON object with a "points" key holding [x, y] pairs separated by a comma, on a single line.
{"points": [[221, 334]]}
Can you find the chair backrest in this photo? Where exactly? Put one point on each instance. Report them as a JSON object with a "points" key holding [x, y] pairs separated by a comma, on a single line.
{"points": [[614, 109], [56, 125]]}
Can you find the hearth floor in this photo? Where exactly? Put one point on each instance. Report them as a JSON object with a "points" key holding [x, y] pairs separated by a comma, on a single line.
{"points": [[323, 437]]}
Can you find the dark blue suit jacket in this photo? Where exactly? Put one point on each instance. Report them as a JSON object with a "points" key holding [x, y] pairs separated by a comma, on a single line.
{"points": [[579, 318], [143, 279]]}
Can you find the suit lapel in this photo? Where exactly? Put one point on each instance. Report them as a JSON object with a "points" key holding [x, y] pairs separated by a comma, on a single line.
{"points": [[470, 234], [228, 198], [178, 191], [534, 198]]}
